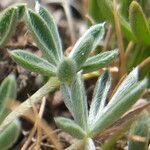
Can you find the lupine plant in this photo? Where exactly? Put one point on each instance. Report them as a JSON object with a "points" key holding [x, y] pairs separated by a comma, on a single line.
{"points": [[67, 72], [7, 95], [88, 125], [44, 31]]}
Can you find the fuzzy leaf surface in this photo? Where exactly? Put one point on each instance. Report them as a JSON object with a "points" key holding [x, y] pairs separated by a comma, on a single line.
{"points": [[52, 28], [70, 127], [9, 135], [33, 63], [130, 80], [88, 42], [7, 92], [99, 97], [79, 101], [114, 111], [99, 61], [20, 9], [8, 20], [66, 92], [42, 35]]}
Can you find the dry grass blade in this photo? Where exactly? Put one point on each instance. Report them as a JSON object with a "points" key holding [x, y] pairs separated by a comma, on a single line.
{"points": [[119, 39], [67, 10], [107, 38], [46, 129], [129, 49]]}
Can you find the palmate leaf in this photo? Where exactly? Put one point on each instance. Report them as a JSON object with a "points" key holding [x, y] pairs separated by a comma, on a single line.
{"points": [[42, 35], [52, 28], [70, 127], [8, 21], [9, 135], [33, 63], [88, 42], [99, 61], [7, 92], [114, 111], [99, 97], [139, 24]]}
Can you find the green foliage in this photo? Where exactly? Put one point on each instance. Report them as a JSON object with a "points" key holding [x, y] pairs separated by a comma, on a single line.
{"points": [[139, 24], [99, 61], [140, 128], [70, 127], [8, 93], [8, 21], [88, 42], [45, 33], [7, 24], [76, 103], [66, 70], [69, 70], [101, 116], [99, 97], [133, 17], [33, 63], [9, 136]]}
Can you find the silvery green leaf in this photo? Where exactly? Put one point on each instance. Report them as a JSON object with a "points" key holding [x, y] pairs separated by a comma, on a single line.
{"points": [[20, 9], [114, 111], [139, 23], [90, 144], [99, 97], [88, 42], [129, 81], [70, 127], [52, 28], [99, 61], [79, 101], [8, 21], [42, 35], [66, 92], [141, 127], [33, 63], [9, 135], [7, 92]]}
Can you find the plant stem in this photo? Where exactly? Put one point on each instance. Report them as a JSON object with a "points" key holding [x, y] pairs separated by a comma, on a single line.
{"points": [[50, 86]]}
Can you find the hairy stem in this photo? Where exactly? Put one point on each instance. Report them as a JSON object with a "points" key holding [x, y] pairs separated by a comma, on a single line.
{"points": [[50, 86]]}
